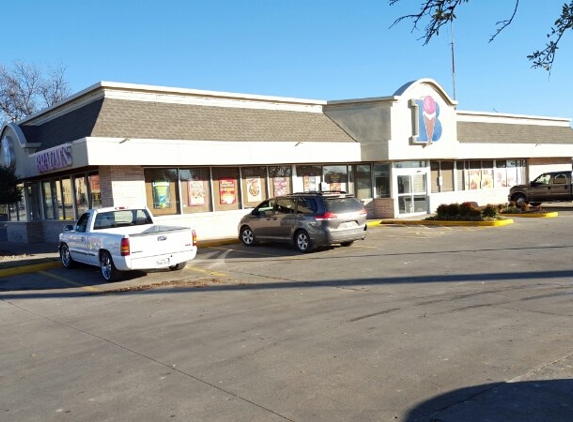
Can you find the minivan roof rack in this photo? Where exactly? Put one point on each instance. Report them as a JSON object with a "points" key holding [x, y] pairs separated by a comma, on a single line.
{"points": [[323, 192]]}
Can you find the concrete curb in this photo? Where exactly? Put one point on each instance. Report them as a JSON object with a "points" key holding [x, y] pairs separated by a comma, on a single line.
{"points": [[30, 268], [552, 214], [495, 223]]}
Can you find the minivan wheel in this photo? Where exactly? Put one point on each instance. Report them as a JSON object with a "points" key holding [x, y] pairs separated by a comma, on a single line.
{"points": [[302, 241], [247, 236]]}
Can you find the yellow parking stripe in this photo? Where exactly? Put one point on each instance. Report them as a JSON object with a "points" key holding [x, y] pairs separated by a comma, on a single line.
{"points": [[72, 283]]}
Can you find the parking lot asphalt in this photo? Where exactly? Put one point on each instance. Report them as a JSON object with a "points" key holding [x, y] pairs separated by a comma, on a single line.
{"points": [[466, 325], [19, 258]]}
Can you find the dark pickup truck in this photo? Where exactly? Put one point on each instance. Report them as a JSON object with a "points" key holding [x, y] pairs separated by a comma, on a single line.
{"points": [[548, 187]]}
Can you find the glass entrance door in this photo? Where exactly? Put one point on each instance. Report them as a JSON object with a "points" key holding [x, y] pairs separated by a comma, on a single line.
{"points": [[412, 194]]}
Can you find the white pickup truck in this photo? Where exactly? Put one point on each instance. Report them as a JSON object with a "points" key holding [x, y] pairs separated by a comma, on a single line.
{"points": [[124, 239]]}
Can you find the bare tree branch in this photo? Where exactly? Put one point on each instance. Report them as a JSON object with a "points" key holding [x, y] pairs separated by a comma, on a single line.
{"points": [[441, 12], [25, 88], [505, 23]]}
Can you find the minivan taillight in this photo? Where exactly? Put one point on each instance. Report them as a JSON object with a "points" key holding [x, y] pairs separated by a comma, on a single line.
{"points": [[363, 211], [326, 216], [124, 247]]}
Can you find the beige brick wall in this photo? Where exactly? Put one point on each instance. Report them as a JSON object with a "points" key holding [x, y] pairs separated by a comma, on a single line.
{"points": [[122, 186], [383, 208]]}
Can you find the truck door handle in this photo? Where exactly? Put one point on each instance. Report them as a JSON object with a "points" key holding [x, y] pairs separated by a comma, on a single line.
{"points": [[161, 238]]}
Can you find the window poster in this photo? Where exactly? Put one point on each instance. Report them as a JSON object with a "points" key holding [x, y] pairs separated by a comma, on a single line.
{"points": [[196, 192], [475, 179], [227, 191], [280, 186], [161, 194], [487, 179], [309, 183], [253, 189]]}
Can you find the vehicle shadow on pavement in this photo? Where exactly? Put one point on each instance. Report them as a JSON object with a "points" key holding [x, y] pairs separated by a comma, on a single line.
{"points": [[532, 401], [214, 284]]}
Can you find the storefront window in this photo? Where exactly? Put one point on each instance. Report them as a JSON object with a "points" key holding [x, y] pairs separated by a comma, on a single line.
{"points": [[363, 181], [95, 191], [81, 192], [311, 177], [65, 198], [382, 180], [280, 180], [253, 185], [195, 190], [442, 174], [226, 188], [48, 195], [336, 178], [410, 164], [161, 191], [33, 192]]}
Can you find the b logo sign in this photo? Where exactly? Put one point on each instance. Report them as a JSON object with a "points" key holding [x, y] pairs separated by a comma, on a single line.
{"points": [[429, 125]]}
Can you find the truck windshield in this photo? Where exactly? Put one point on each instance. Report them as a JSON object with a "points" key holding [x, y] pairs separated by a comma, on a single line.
{"points": [[121, 218]]}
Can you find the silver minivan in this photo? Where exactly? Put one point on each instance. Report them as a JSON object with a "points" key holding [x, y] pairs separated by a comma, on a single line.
{"points": [[307, 220]]}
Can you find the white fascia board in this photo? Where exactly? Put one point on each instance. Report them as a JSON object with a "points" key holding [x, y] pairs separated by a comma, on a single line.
{"points": [[517, 119], [513, 150], [141, 152]]}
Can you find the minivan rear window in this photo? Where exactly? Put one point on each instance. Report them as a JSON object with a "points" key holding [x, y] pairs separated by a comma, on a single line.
{"points": [[342, 205]]}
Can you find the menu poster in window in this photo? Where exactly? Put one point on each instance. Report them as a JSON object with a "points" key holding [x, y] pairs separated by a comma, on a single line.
{"points": [[254, 189], [487, 179], [228, 191], [475, 179], [335, 182], [309, 183], [195, 192], [161, 194], [280, 186]]}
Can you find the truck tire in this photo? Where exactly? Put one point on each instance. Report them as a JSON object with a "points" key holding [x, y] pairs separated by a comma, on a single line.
{"points": [[66, 257], [519, 199], [108, 270], [178, 267]]}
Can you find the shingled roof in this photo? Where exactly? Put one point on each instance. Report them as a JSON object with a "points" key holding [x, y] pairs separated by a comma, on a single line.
{"points": [[480, 132], [120, 118]]}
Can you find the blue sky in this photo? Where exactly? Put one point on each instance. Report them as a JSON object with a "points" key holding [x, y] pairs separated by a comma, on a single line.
{"points": [[315, 49]]}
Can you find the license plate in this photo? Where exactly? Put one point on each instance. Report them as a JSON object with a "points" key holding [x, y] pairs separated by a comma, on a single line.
{"points": [[163, 262], [348, 224]]}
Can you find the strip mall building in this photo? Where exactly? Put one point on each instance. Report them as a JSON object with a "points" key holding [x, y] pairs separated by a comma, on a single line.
{"points": [[204, 158]]}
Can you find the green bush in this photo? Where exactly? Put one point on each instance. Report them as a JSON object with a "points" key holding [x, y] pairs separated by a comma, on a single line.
{"points": [[490, 211], [467, 211]]}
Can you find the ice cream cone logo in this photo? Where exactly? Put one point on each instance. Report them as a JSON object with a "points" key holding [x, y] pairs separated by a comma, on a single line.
{"points": [[429, 112]]}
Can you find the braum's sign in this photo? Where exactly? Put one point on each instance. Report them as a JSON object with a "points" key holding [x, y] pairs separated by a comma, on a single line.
{"points": [[54, 159]]}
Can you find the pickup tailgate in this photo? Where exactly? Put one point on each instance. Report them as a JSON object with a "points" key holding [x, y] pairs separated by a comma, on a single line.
{"points": [[159, 240]]}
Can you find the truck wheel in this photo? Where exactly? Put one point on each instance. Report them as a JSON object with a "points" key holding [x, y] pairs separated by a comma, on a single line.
{"points": [[108, 270], [178, 267], [519, 199], [66, 257]]}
